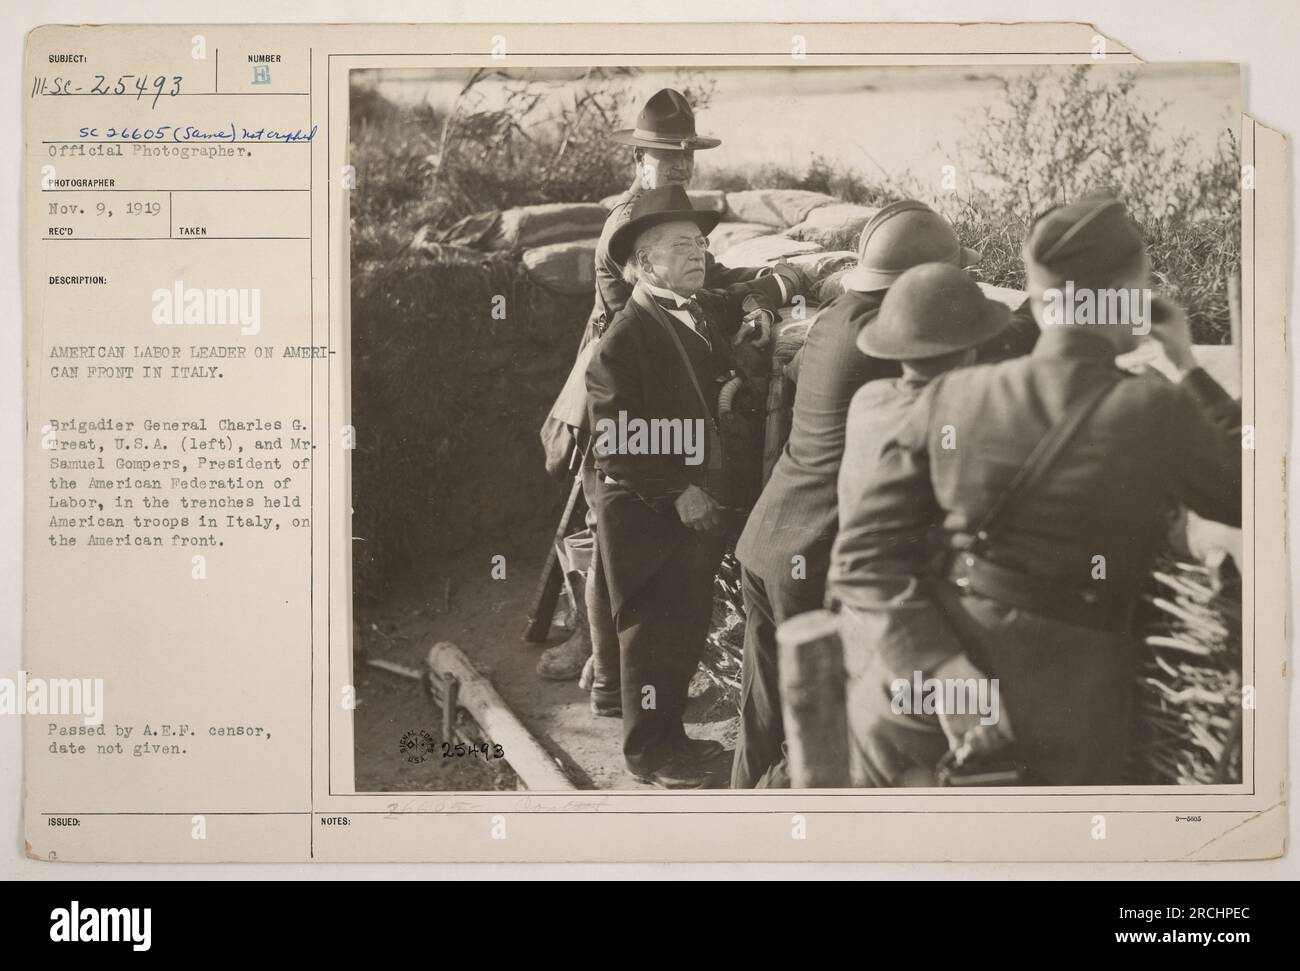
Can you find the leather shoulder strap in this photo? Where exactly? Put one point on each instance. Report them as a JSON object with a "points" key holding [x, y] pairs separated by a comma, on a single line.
{"points": [[1041, 460]]}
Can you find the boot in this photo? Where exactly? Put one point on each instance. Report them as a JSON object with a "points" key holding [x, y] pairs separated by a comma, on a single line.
{"points": [[564, 662]]}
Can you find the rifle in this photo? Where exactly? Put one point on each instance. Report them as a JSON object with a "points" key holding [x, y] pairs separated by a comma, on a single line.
{"points": [[549, 584]]}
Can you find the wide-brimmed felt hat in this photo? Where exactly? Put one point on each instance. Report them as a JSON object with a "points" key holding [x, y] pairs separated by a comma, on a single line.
{"points": [[900, 236], [666, 122], [664, 204], [932, 309], [1089, 241]]}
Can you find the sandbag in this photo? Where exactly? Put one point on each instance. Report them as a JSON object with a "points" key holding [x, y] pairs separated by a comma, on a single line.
{"points": [[706, 200], [727, 235], [531, 226], [780, 208], [568, 268], [833, 225], [764, 249], [470, 232]]}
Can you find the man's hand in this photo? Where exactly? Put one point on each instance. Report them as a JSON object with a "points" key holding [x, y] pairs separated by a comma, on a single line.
{"points": [[965, 731], [1171, 330], [698, 510], [756, 322]]}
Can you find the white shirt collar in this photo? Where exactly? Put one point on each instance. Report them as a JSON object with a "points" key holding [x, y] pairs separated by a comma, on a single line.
{"points": [[665, 294], [678, 309]]}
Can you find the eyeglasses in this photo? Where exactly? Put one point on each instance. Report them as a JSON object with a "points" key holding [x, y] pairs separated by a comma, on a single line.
{"points": [[690, 245]]}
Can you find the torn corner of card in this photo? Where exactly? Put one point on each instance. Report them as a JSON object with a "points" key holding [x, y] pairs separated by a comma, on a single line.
{"points": [[301, 585]]}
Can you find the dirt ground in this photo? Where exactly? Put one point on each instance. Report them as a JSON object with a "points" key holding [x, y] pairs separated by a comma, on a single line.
{"points": [[457, 600]]}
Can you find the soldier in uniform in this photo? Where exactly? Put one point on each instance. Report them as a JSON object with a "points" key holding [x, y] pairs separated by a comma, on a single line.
{"points": [[660, 537], [785, 548], [663, 144], [931, 321], [1043, 483]]}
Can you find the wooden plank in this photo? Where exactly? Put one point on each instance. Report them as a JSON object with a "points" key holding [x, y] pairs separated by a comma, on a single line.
{"points": [[532, 763], [813, 700]]}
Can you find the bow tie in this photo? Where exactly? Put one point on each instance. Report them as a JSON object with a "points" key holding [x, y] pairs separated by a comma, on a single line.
{"points": [[690, 306]]}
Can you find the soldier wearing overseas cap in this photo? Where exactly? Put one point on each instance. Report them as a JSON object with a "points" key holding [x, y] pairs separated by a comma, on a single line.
{"points": [[663, 142], [785, 548], [660, 505], [1043, 484]]}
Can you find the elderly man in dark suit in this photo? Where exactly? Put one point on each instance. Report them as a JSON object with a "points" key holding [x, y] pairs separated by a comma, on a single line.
{"points": [[663, 142], [1044, 484], [658, 476], [785, 548]]}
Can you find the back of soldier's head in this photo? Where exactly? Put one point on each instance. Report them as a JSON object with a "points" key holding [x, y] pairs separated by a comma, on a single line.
{"points": [[1078, 257]]}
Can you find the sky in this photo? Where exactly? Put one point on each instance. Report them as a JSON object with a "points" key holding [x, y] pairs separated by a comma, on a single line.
{"points": [[890, 120]]}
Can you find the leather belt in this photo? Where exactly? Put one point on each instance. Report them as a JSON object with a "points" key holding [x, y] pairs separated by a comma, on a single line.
{"points": [[1083, 606]]}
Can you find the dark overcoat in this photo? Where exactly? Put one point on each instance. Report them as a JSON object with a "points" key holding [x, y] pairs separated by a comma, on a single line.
{"points": [[637, 373]]}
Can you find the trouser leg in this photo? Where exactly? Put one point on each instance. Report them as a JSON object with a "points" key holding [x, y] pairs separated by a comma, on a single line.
{"points": [[769, 602], [758, 744], [661, 633], [888, 747]]}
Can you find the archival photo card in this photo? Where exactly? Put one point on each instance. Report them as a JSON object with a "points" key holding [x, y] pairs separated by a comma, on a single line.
{"points": [[521, 443]]}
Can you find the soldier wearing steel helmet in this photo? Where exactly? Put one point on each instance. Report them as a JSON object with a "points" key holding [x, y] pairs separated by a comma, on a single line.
{"points": [[785, 548], [1035, 493]]}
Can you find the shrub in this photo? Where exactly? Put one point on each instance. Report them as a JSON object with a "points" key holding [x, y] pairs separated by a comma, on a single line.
{"points": [[1055, 137], [537, 141]]}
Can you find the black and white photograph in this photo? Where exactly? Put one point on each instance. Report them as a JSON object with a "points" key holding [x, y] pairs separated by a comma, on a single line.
{"points": [[471, 442], [811, 427]]}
